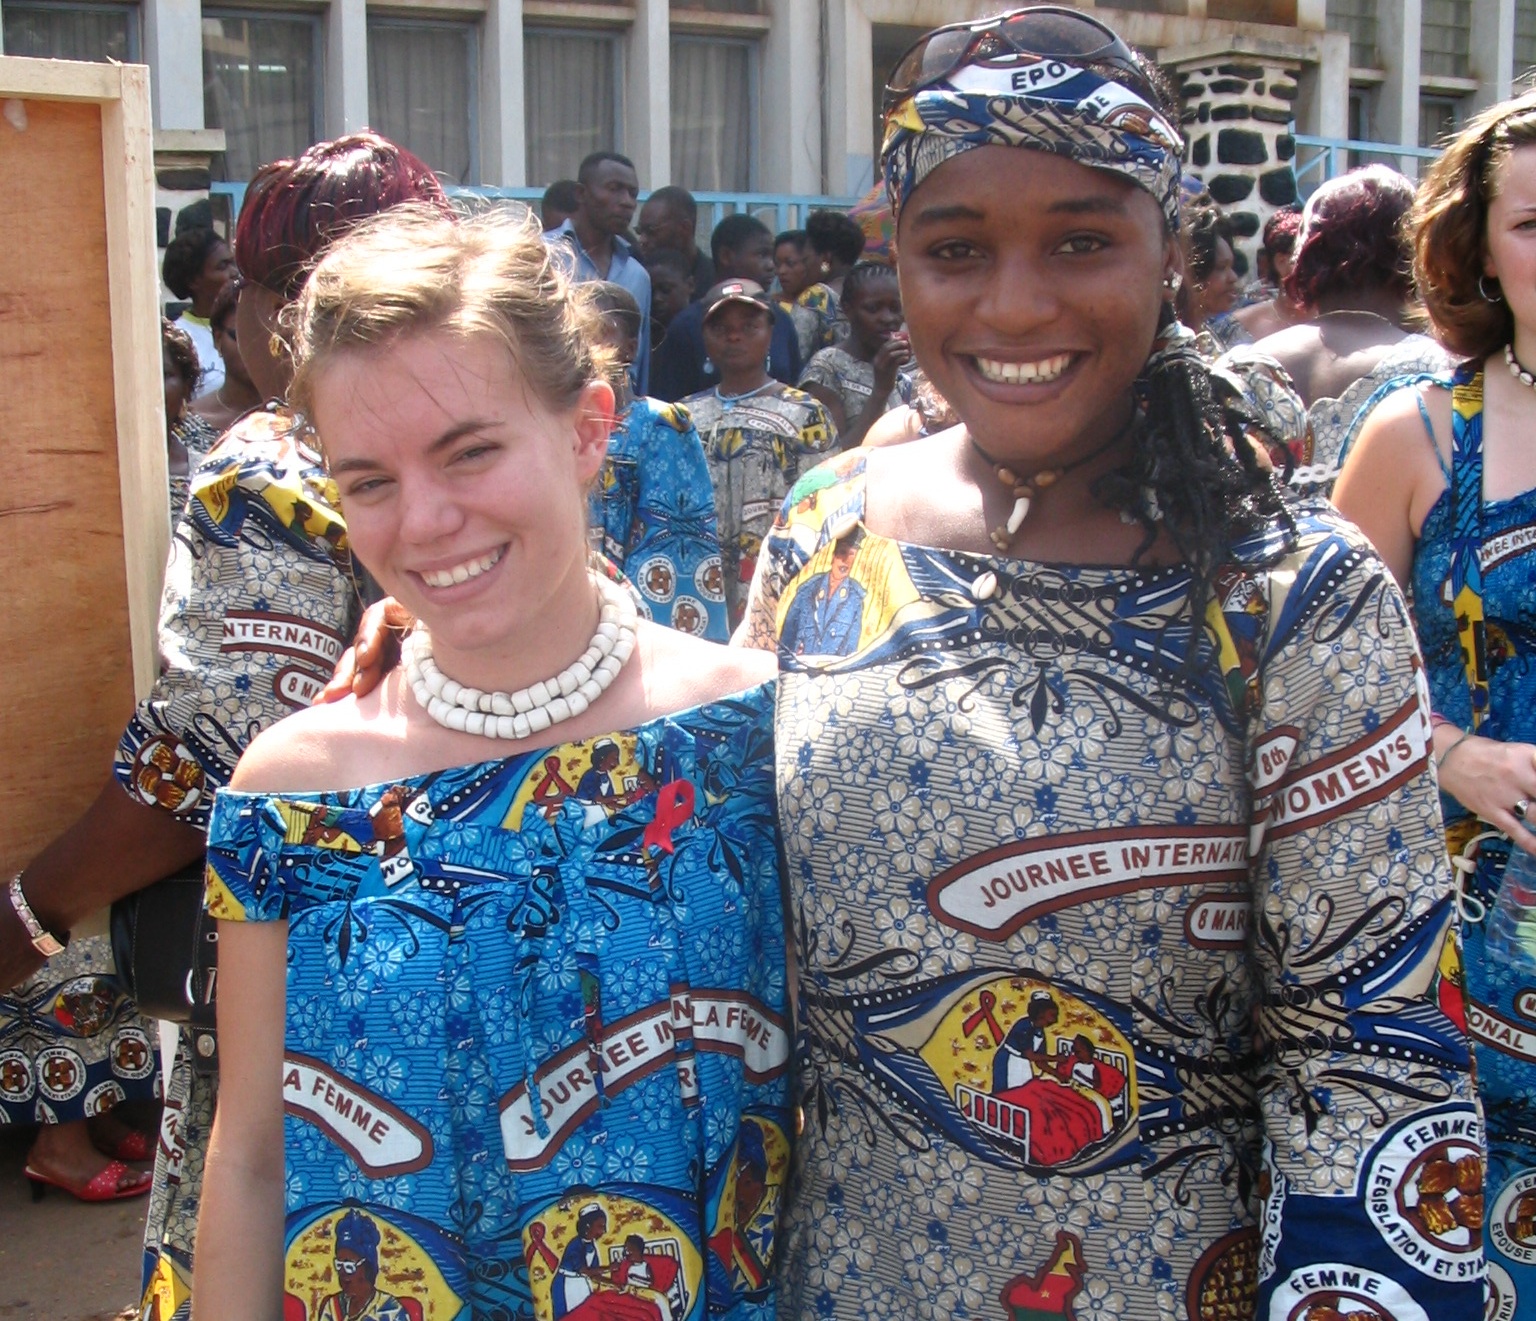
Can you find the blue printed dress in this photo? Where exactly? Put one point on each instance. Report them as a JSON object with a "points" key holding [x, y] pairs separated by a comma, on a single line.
{"points": [[536, 1023], [653, 515], [1127, 990], [1495, 593]]}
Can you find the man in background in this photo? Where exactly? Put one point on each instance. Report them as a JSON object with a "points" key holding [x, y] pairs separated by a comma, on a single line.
{"points": [[559, 203], [669, 219], [591, 240]]}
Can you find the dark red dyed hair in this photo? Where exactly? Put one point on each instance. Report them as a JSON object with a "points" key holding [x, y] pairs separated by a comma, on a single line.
{"points": [[295, 209], [1353, 238], [1282, 230]]}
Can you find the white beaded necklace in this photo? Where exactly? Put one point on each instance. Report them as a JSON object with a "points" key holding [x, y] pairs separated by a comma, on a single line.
{"points": [[529, 710], [1516, 370]]}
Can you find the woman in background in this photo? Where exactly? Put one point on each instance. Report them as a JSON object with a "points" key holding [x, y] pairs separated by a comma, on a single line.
{"points": [[792, 259], [836, 241], [1276, 311], [237, 395], [1353, 275], [1210, 286], [196, 266], [1443, 481], [188, 436], [857, 377]]}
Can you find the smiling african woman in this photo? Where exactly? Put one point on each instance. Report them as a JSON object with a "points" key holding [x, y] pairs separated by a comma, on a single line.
{"points": [[1124, 929]]}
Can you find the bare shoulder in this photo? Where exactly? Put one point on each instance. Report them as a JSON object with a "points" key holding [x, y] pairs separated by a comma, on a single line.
{"points": [[1395, 432], [318, 749], [683, 671]]}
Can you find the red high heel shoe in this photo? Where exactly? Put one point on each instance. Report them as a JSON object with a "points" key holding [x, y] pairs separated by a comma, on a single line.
{"points": [[106, 1186], [133, 1145]]}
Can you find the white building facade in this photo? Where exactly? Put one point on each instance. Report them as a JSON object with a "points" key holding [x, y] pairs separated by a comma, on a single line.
{"points": [[767, 96]]}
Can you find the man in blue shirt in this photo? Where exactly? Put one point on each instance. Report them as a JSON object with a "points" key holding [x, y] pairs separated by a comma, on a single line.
{"points": [[607, 190], [742, 247]]}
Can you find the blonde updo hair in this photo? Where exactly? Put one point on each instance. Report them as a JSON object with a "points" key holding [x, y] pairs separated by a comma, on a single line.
{"points": [[412, 270]]}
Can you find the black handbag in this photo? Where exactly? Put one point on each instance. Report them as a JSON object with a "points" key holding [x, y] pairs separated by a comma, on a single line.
{"points": [[167, 954]]}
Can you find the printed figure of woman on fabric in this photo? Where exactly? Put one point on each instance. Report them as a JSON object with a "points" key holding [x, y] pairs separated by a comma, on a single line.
{"points": [[513, 944], [1443, 480], [1127, 975], [758, 434], [857, 377], [653, 504]]}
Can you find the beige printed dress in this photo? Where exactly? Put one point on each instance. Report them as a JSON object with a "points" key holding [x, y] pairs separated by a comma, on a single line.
{"points": [[1128, 989]]}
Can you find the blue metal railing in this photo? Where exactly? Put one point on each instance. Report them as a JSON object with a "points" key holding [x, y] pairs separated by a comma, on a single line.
{"points": [[787, 210], [1333, 156]]}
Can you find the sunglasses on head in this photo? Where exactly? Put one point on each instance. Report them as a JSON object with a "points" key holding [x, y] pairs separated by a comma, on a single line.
{"points": [[1044, 31]]}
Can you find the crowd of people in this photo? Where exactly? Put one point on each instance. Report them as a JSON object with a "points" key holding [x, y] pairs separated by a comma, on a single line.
{"points": [[1067, 893]]}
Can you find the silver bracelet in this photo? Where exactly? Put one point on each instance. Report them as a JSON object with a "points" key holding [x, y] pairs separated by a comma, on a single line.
{"points": [[42, 941], [1446, 755]]}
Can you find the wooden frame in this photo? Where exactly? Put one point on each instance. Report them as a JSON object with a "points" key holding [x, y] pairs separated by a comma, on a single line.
{"points": [[80, 580]]}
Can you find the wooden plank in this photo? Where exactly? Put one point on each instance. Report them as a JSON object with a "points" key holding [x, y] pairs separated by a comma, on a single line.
{"points": [[128, 173], [82, 440], [60, 80]]}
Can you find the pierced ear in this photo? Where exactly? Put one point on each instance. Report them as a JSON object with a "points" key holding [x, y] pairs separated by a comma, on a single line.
{"points": [[593, 425]]}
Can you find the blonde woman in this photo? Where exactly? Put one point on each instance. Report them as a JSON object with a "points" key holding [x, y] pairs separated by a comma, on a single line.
{"points": [[519, 906]]}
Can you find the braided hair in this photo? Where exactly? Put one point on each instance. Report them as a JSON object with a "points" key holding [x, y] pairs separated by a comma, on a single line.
{"points": [[1194, 475], [863, 274]]}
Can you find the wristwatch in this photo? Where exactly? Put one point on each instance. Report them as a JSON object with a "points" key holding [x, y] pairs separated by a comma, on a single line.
{"points": [[42, 940]]}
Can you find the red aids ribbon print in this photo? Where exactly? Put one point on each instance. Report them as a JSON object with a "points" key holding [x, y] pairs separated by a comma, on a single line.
{"points": [[674, 807], [984, 1015]]}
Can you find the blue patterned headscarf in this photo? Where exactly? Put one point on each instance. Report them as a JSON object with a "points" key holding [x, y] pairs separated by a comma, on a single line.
{"points": [[1023, 100], [355, 1232]]}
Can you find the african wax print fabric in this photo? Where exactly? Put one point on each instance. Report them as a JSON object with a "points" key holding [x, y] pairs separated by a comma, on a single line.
{"points": [[653, 515], [1019, 100], [757, 446], [1266, 387], [536, 1027], [818, 318], [1334, 423], [1495, 594], [71, 1043], [1126, 989], [198, 435], [851, 379], [258, 604]]}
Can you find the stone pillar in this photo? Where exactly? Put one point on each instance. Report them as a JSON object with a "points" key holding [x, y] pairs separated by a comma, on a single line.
{"points": [[503, 162], [1237, 114]]}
